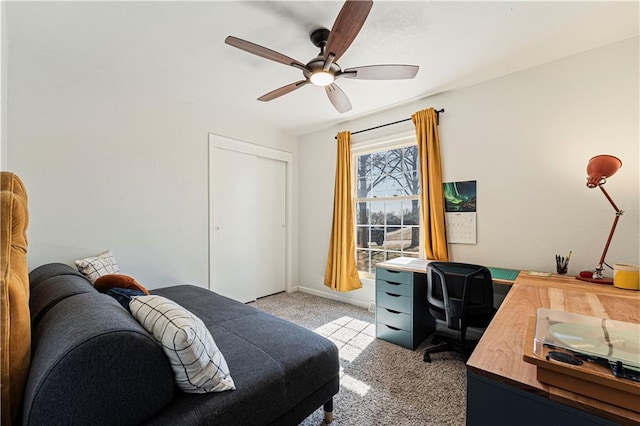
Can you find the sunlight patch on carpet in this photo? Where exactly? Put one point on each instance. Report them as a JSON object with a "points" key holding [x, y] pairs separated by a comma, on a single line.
{"points": [[354, 385], [350, 335]]}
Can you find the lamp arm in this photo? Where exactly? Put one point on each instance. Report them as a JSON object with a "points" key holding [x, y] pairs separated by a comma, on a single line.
{"points": [[613, 228], [606, 194], [606, 246]]}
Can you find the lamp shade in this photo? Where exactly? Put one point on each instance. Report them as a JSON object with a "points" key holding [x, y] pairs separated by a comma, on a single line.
{"points": [[601, 167]]}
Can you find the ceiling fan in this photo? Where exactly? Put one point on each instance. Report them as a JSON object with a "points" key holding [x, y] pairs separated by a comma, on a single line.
{"points": [[323, 70]]}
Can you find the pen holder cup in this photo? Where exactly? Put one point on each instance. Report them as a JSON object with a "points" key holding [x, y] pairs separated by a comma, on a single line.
{"points": [[562, 264]]}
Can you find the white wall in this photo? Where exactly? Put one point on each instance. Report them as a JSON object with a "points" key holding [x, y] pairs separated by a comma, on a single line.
{"points": [[526, 138], [4, 55], [111, 166]]}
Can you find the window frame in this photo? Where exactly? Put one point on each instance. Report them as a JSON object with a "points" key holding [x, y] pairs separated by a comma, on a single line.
{"points": [[371, 146]]}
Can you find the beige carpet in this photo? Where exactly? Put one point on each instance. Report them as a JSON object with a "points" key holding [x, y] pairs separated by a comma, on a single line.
{"points": [[381, 383]]}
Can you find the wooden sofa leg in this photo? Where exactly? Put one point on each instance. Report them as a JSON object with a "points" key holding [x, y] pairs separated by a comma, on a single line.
{"points": [[328, 412]]}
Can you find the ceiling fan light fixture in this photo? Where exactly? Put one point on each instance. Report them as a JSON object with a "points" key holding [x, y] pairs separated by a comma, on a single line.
{"points": [[322, 78]]}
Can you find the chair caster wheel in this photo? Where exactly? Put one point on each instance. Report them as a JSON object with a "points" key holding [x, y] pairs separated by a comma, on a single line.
{"points": [[427, 358]]}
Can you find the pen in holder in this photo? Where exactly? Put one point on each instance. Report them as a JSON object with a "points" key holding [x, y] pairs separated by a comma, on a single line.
{"points": [[562, 264]]}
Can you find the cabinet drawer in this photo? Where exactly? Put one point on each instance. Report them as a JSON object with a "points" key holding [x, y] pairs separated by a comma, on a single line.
{"points": [[394, 288], [393, 301], [393, 318], [401, 277], [394, 335]]}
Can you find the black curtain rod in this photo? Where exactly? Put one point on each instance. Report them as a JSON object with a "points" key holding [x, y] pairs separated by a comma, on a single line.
{"points": [[438, 111]]}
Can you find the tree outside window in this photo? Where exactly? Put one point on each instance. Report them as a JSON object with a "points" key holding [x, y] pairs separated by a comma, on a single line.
{"points": [[387, 206]]}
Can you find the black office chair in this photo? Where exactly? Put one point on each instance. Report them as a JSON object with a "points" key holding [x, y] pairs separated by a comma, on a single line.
{"points": [[462, 295]]}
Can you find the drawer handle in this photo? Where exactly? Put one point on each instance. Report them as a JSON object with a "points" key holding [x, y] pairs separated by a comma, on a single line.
{"points": [[393, 283], [392, 311], [393, 328], [392, 295]]}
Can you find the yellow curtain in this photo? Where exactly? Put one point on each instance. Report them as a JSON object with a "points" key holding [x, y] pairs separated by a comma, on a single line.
{"points": [[431, 196], [341, 273]]}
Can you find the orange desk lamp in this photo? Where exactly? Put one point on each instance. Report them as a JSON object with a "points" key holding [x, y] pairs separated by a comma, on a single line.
{"points": [[599, 169]]}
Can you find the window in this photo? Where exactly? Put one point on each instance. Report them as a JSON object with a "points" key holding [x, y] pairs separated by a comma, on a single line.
{"points": [[387, 206]]}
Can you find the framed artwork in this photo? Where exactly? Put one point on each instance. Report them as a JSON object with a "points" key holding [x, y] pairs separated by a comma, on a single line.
{"points": [[460, 196]]}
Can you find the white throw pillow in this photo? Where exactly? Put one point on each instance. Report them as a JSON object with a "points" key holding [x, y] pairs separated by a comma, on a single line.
{"points": [[197, 363], [97, 266]]}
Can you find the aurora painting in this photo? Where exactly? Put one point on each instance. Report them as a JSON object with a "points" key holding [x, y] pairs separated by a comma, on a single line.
{"points": [[460, 196]]}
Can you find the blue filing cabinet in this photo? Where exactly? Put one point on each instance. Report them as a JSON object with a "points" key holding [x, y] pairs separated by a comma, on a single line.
{"points": [[402, 316]]}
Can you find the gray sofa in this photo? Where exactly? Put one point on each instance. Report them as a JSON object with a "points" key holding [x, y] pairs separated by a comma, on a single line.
{"points": [[92, 363]]}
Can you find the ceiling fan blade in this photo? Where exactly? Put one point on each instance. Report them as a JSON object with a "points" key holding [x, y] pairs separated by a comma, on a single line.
{"points": [[282, 91], [381, 72], [338, 98], [261, 51], [346, 27]]}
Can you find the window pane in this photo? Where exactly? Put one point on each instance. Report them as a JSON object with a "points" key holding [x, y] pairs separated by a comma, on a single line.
{"points": [[394, 213], [393, 238], [362, 259], [364, 165], [362, 213], [377, 237], [362, 236], [377, 212], [378, 163], [394, 161], [363, 187], [395, 185], [378, 187], [411, 183], [410, 158], [377, 256], [412, 239], [410, 212]]}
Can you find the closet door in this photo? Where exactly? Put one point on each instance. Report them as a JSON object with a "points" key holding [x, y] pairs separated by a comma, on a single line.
{"points": [[234, 272], [270, 217], [249, 225]]}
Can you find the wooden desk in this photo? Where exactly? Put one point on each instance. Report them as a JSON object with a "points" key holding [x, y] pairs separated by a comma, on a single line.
{"points": [[496, 366]]}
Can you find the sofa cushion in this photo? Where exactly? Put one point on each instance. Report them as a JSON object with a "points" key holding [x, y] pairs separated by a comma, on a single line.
{"points": [[51, 288], [92, 362], [44, 272], [96, 266], [276, 365], [15, 327], [197, 363]]}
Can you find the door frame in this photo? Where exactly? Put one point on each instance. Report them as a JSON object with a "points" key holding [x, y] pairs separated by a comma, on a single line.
{"points": [[224, 142]]}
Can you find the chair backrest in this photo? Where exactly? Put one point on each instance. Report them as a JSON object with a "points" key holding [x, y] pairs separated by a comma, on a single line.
{"points": [[460, 290]]}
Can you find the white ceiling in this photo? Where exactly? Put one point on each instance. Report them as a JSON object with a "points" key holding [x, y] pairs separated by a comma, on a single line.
{"points": [[178, 47]]}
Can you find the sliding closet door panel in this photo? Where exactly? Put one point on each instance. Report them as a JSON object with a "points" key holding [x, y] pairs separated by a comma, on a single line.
{"points": [[234, 226], [271, 225]]}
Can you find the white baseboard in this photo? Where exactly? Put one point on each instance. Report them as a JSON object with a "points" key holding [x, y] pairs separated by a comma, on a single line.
{"points": [[332, 296]]}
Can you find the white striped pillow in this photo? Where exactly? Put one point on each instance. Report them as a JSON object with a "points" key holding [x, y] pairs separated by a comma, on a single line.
{"points": [[197, 363], [97, 266]]}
